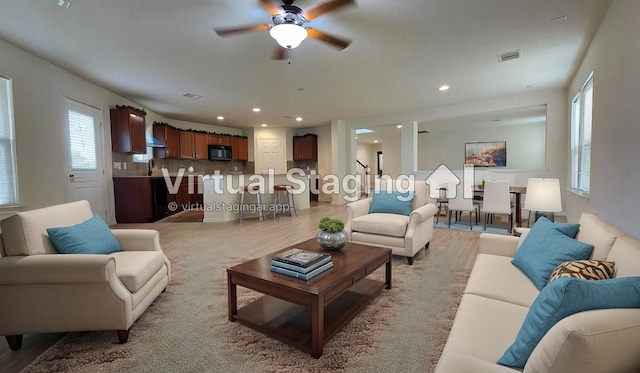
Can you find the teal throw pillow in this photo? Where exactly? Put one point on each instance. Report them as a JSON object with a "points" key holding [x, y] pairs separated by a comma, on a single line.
{"points": [[568, 229], [392, 203], [90, 237], [564, 297], [546, 247]]}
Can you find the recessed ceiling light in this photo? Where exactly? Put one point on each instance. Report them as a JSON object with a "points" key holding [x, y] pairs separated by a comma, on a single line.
{"points": [[263, 125], [399, 126], [375, 140], [444, 87], [299, 119], [356, 137], [220, 117], [256, 109], [192, 95]]}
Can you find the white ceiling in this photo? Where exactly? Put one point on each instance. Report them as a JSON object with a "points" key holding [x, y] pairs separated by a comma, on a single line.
{"points": [[155, 51]]}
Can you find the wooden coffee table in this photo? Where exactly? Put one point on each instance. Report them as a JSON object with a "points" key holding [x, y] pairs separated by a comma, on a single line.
{"points": [[302, 313]]}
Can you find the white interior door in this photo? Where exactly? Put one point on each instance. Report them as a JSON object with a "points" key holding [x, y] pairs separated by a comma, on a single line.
{"points": [[270, 155], [85, 170]]}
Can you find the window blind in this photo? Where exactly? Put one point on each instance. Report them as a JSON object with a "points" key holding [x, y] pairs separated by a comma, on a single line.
{"points": [[82, 141], [8, 170]]}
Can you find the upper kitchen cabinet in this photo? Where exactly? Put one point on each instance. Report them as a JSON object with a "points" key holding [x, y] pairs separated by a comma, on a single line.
{"points": [[215, 139], [128, 130], [170, 137], [200, 145], [187, 148], [240, 148], [305, 148]]}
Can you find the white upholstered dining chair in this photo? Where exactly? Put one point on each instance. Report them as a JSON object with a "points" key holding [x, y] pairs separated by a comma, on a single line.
{"points": [[497, 200]]}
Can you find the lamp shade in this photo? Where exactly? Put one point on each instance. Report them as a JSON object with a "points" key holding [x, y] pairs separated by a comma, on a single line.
{"points": [[543, 195], [288, 35]]}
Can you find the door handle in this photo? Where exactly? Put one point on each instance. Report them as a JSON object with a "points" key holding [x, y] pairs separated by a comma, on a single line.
{"points": [[71, 178]]}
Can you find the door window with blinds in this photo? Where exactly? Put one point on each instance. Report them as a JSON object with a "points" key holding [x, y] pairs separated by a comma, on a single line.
{"points": [[82, 138], [581, 123], [8, 169]]}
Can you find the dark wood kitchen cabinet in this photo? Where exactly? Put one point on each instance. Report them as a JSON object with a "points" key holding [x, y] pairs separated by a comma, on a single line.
{"points": [[201, 146], [128, 130], [187, 150], [240, 148], [168, 136], [133, 199], [305, 148], [215, 139]]}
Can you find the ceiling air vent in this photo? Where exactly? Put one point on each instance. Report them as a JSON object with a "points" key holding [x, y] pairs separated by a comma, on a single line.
{"points": [[423, 131], [508, 56]]}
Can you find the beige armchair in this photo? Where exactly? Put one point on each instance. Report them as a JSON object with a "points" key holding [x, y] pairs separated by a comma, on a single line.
{"points": [[404, 235], [43, 291]]}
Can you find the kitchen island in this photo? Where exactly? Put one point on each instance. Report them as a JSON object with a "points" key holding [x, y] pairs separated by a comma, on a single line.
{"points": [[221, 195]]}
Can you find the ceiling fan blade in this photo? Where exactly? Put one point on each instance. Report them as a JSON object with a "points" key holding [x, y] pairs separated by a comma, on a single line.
{"points": [[329, 6], [333, 40], [234, 30], [270, 7], [279, 53]]}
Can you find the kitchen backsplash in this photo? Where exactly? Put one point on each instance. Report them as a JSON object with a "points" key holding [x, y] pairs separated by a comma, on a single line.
{"points": [[123, 165]]}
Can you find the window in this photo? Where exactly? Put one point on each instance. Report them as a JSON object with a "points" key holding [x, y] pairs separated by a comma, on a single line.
{"points": [[581, 123], [82, 140], [8, 169]]}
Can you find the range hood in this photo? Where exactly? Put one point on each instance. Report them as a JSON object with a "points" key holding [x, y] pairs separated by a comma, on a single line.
{"points": [[152, 142]]}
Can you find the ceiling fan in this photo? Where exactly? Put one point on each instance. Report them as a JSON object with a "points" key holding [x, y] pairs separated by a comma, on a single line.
{"points": [[288, 25]]}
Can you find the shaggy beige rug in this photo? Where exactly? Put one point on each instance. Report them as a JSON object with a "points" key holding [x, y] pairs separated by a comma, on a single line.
{"points": [[186, 329]]}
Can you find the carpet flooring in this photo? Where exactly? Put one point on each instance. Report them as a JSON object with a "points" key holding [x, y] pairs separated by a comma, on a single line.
{"points": [[186, 329]]}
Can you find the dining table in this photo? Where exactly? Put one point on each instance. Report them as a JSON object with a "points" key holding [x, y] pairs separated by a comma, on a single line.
{"points": [[517, 200]]}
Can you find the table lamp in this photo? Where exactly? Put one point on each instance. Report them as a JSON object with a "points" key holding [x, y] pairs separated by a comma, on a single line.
{"points": [[543, 197]]}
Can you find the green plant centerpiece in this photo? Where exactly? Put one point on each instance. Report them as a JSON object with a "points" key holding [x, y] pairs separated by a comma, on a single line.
{"points": [[332, 235]]}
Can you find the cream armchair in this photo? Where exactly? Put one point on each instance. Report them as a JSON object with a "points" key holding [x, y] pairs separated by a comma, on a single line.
{"points": [[43, 291], [404, 235]]}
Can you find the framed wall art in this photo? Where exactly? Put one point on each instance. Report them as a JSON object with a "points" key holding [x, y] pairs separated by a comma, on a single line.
{"points": [[486, 154]]}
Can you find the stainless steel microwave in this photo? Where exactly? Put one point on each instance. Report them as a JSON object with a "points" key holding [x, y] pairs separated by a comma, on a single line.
{"points": [[220, 153]]}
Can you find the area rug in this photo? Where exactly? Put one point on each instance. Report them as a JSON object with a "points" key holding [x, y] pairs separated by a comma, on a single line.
{"points": [[187, 329]]}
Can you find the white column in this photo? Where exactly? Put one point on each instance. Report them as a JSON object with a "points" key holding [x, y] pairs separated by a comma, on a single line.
{"points": [[409, 149]]}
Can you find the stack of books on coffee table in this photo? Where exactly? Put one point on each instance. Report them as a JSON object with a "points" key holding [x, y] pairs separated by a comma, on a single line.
{"points": [[302, 264]]}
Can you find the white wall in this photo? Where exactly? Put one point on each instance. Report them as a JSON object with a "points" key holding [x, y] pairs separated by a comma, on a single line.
{"points": [[614, 57], [525, 146]]}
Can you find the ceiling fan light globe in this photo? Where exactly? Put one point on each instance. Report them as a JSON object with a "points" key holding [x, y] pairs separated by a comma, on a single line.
{"points": [[288, 35]]}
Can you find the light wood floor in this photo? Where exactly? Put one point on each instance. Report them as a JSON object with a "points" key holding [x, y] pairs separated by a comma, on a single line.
{"points": [[253, 238]]}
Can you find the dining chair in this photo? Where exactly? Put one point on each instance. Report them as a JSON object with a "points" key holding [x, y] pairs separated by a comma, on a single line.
{"points": [[442, 201], [460, 204], [497, 200]]}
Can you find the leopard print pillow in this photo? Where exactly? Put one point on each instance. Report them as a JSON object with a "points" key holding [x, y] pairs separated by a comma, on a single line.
{"points": [[584, 269]]}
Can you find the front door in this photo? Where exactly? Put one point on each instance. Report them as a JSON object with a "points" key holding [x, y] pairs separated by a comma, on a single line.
{"points": [[85, 170]]}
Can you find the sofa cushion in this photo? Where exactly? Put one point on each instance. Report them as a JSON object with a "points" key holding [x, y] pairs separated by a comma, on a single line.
{"points": [[599, 233], [626, 253], [392, 202], [493, 276], [584, 269], [544, 249], [135, 268], [25, 233], [89, 237], [394, 225], [483, 327], [564, 297]]}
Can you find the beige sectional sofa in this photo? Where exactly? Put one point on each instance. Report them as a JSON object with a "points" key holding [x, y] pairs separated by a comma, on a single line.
{"points": [[42, 291], [498, 296]]}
